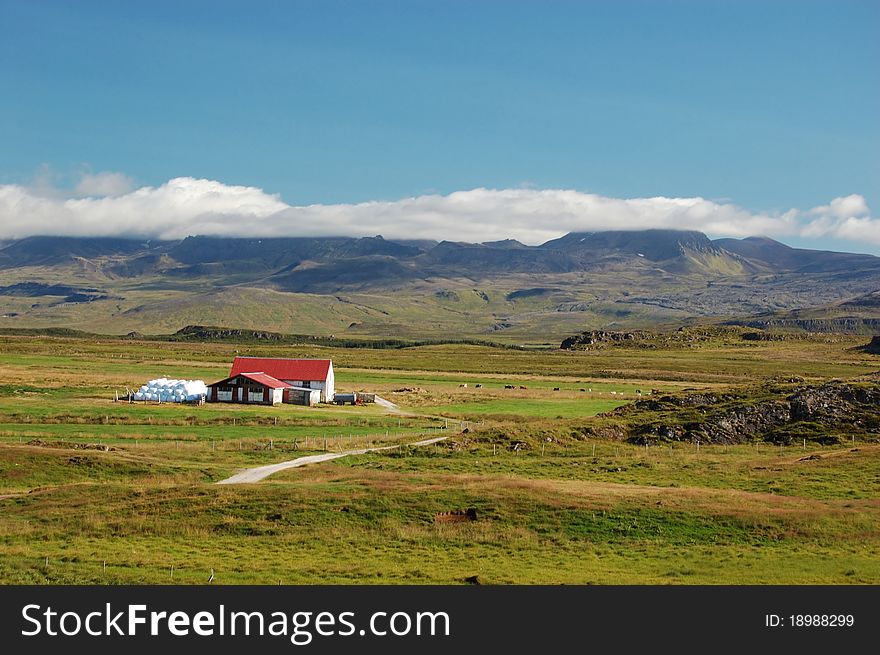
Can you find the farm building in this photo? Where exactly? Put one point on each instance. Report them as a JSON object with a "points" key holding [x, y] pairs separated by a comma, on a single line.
{"points": [[302, 396], [261, 389], [299, 373], [247, 388]]}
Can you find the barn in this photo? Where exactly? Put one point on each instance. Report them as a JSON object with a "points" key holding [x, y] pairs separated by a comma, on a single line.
{"points": [[257, 388], [299, 373]]}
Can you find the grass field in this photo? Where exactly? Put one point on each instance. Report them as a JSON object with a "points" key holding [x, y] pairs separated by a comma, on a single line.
{"points": [[93, 491]]}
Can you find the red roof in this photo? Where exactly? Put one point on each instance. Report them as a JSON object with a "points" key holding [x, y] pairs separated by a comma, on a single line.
{"points": [[284, 369], [266, 380], [260, 378]]}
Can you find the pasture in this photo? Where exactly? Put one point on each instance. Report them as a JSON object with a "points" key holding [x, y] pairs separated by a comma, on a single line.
{"points": [[93, 491]]}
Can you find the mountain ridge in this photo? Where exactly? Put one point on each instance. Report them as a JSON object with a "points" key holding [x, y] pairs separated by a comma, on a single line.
{"points": [[372, 285], [655, 245]]}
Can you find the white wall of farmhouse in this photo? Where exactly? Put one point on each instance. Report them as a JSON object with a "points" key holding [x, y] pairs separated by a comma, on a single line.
{"points": [[327, 387]]}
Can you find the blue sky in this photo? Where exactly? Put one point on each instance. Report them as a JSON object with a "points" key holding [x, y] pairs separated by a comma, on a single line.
{"points": [[765, 105]]}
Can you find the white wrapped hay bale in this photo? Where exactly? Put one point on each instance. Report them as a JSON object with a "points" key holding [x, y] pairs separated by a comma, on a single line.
{"points": [[172, 391]]}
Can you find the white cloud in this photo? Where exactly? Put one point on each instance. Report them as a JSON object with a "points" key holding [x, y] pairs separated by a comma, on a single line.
{"points": [[104, 184], [186, 206], [843, 208]]}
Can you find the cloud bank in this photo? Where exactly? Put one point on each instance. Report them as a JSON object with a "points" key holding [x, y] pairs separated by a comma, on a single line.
{"points": [[186, 206]]}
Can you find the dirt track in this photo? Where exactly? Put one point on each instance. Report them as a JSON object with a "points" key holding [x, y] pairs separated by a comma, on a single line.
{"points": [[249, 476]]}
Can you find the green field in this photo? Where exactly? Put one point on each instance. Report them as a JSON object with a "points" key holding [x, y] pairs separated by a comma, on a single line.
{"points": [[94, 491], [526, 407]]}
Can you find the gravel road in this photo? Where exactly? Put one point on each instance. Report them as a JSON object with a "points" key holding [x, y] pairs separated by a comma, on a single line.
{"points": [[249, 476]]}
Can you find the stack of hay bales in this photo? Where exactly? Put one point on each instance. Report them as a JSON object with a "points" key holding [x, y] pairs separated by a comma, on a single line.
{"points": [[172, 391]]}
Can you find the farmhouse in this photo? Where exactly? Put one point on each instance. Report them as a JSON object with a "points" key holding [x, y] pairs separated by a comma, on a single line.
{"points": [[248, 388], [261, 389], [301, 373]]}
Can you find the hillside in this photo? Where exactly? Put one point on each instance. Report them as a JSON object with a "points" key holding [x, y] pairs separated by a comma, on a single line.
{"points": [[421, 289], [858, 315]]}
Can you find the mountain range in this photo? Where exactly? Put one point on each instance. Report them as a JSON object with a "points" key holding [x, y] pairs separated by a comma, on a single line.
{"points": [[377, 286]]}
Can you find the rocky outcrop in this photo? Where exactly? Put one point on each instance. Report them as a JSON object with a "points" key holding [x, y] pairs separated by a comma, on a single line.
{"points": [[873, 346], [833, 401], [825, 413], [682, 337], [208, 333], [594, 337]]}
